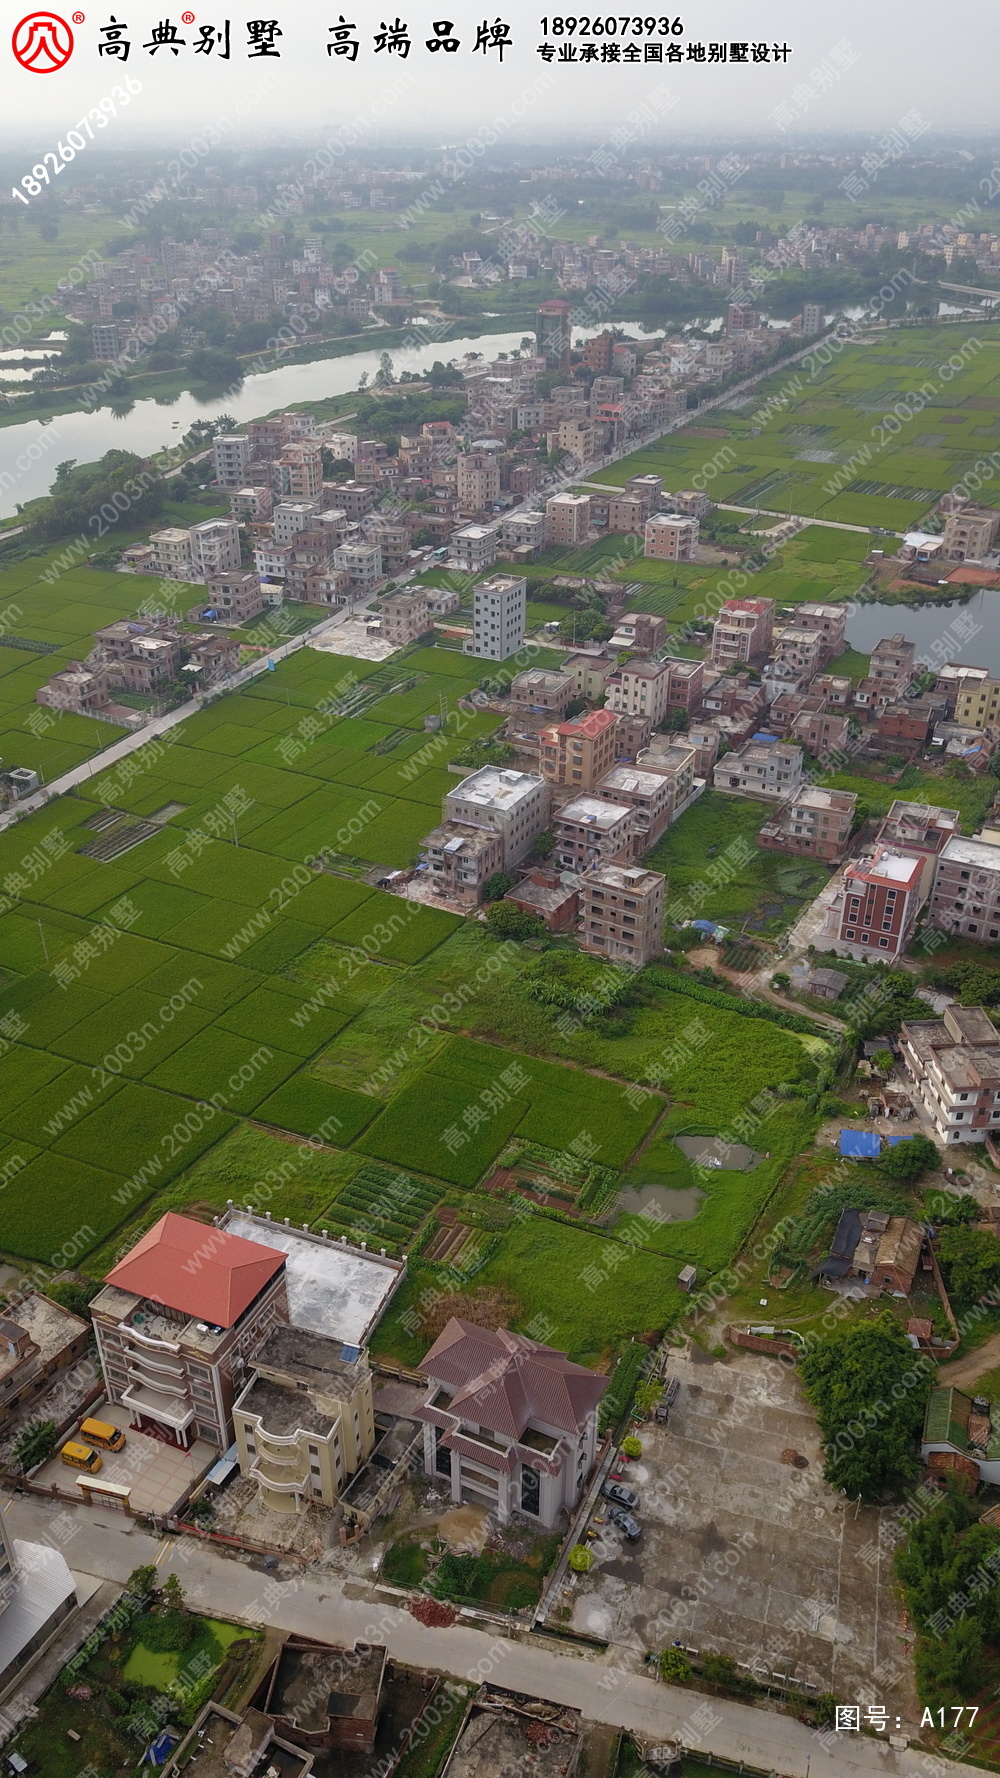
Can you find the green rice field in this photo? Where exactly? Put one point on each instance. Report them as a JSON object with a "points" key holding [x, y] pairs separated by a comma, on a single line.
{"points": [[178, 1021]]}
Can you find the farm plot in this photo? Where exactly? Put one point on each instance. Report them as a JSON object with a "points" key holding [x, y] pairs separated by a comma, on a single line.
{"points": [[481, 1095], [311, 1107], [382, 1207], [854, 398]]}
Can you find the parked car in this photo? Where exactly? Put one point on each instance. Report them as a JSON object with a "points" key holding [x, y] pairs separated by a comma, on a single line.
{"points": [[621, 1495], [628, 1526]]}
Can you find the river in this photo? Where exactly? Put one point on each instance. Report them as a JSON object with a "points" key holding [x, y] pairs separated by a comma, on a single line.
{"points": [[30, 451]]}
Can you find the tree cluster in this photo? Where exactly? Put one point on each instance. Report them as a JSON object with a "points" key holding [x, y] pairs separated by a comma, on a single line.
{"points": [[868, 1388]]}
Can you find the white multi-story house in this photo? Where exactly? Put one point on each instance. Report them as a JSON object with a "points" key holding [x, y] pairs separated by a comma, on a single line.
{"points": [[293, 516], [954, 1064], [508, 1423], [474, 547], [172, 553], [640, 688], [515, 804], [231, 453], [362, 563], [215, 547], [769, 769]]}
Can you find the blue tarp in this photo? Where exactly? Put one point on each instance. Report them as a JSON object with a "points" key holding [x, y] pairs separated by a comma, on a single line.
{"points": [[892, 1140], [704, 925], [860, 1145]]}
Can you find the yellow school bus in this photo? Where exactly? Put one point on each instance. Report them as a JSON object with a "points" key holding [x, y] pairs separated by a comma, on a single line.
{"points": [[81, 1457], [101, 1432]]}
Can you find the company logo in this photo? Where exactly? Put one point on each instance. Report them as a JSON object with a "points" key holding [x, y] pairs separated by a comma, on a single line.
{"points": [[42, 42]]}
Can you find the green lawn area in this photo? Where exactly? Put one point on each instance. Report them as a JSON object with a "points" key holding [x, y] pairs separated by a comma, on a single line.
{"points": [[762, 892]]}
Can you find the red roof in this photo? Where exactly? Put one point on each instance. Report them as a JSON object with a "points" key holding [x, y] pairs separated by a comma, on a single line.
{"points": [[506, 1382], [592, 724], [197, 1270]]}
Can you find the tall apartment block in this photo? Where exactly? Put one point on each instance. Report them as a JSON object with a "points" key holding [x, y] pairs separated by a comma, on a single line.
{"points": [[230, 455], [966, 893], [499, 615]]}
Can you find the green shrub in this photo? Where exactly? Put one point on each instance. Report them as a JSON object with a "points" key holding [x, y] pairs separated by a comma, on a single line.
{"points": [[404, 1564], [673, 1666], [169, 1632]]}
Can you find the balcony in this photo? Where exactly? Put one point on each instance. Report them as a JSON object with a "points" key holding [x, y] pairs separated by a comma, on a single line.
{"points": [[279, 1483], [161, 1362], [174, 1413]]}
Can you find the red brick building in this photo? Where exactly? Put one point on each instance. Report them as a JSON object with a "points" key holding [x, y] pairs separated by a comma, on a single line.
{"points": [[879, 905]]}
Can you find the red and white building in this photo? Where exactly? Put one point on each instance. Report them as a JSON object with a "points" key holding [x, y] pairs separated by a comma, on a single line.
{"points": [[177, 1322], [878, 908]]}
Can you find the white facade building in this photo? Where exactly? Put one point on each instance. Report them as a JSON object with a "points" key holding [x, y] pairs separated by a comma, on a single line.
{"points": [[514, 804], [499, 615]]}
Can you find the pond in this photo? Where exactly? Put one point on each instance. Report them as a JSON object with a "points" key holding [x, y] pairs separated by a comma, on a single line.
{"points": [[933, 627], [678, 1205], [711, 1151]]}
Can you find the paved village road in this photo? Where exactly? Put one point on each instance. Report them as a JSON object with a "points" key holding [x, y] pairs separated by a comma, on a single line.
{"points": [[318, 1603]]}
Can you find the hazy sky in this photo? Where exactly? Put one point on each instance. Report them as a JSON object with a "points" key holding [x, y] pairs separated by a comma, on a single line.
{"points": [[856, 66]]}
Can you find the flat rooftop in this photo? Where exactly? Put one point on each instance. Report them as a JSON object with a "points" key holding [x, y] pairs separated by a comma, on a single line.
{"points": [[959, 850], [284, 1409], [591, 812], [311, 1358], [622, 876], [894, 867], [496, 785], [634, 780], [332, 1289]]}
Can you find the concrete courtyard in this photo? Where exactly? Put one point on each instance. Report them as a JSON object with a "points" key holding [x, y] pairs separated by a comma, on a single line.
{"points": [[158, 1476], [741, 1553]]}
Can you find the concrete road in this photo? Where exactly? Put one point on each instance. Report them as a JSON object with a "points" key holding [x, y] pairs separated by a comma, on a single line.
{"points": [[318, 1603]]}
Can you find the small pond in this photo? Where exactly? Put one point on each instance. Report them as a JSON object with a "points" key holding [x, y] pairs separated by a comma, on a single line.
{"points": [[711, 1151], [667, 1205]]}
